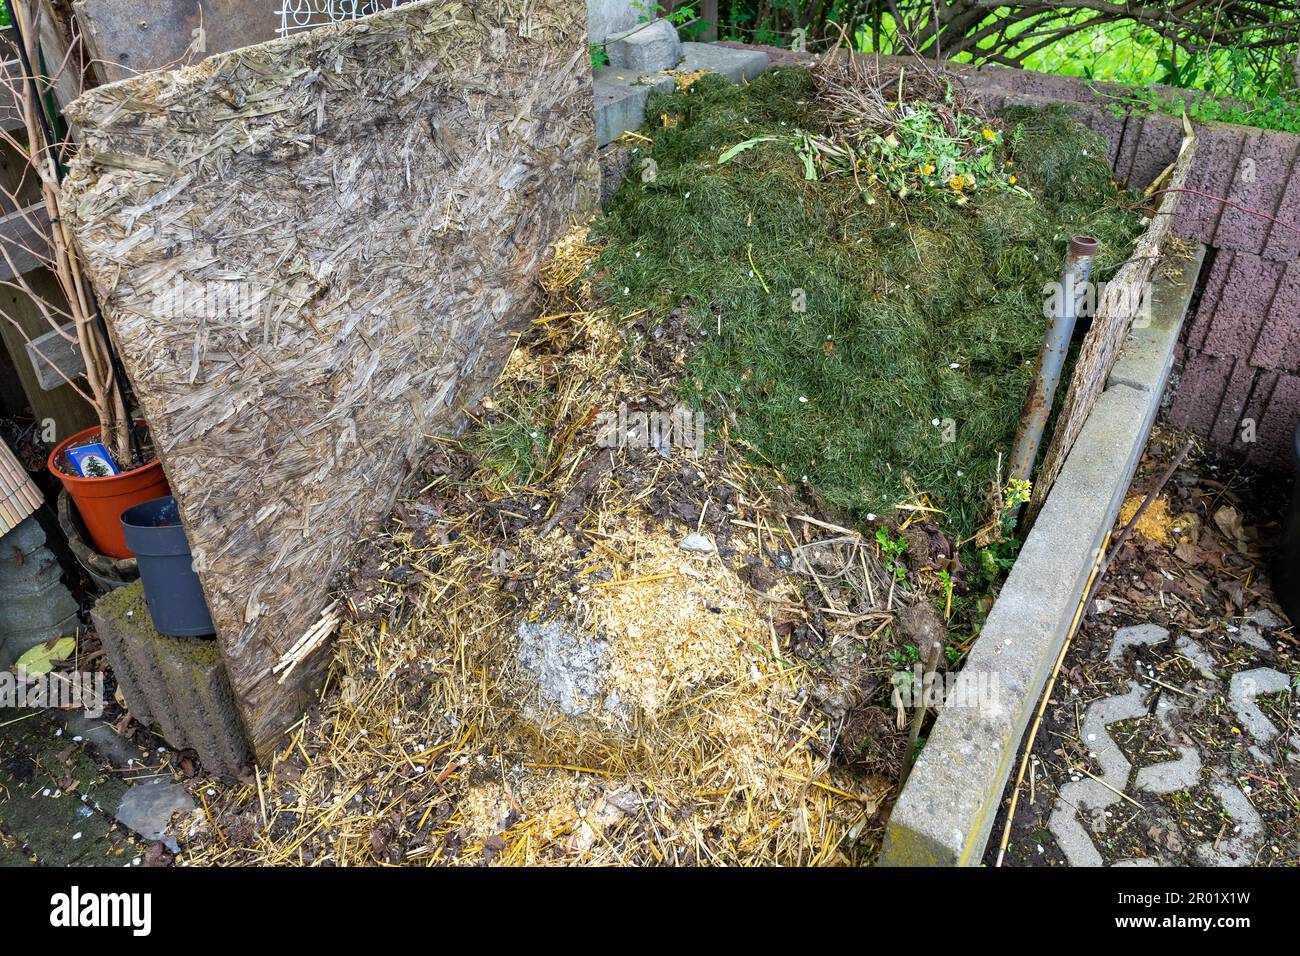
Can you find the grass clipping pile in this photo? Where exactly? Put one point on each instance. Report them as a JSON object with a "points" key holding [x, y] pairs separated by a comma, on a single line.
{"points": [[569, 649]]}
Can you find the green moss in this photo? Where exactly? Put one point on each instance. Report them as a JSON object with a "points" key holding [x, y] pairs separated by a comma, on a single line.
{"points": [[906, 369], [127, 609]]}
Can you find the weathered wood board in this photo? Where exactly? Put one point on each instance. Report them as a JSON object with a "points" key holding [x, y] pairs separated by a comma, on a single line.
{"points": [[127, 37], [313, 253]]}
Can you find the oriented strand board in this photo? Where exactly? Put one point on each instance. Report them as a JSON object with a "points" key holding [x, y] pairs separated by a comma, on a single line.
{"points": [[313, 253]]}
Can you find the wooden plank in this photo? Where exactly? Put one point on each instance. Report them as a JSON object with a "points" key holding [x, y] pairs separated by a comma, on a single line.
{"points": [[24, 238], [127, 37], [55, 358], [62, 407]]}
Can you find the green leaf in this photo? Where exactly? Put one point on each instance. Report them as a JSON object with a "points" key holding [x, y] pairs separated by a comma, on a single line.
{"points": [[41, 658], [739, 148]]}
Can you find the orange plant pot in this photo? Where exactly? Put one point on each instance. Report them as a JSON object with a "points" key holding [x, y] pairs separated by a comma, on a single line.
{"points": [[101, 501]]}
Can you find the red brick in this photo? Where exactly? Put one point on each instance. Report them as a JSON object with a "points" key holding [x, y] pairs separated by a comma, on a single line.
{"points": [[1200, 392], [1215, 281], [1258, 184], [1278, 345], [1243, 305], [1274, 448]]}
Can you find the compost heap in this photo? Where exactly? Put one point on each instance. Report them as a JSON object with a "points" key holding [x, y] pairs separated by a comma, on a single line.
{"points": [[585, 639]]}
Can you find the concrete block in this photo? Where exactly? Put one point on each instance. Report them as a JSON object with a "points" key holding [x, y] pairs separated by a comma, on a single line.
{"points": [[1243, 305], [1258, 183], [659, 82], [1283, 243], [777, 56], [1236, 393], [946, 811], [1218, 156], [605, 18], [1278, 345], [1157, 146], [35, 605], [645, 48], [177, 682], [1147, 354], [620, 108], [739, 66]]}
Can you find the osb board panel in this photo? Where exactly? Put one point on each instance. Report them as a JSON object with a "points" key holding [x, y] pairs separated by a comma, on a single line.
{"points": [[312, 253]]}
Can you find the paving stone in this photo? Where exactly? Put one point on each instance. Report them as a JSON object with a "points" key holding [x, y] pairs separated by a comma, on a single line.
{"points": [[1244, 687], [1266, 618], [1239, 848], [1135, 636], [1194, 652], [1079, 796], [1172, 775], [1249, 635]]}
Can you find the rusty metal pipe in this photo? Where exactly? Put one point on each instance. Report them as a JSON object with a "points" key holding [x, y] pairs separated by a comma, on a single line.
{"points": [[1075, 275]]}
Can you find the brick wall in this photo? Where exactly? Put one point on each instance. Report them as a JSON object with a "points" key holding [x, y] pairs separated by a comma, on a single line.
{"points": [[1239, 363]]}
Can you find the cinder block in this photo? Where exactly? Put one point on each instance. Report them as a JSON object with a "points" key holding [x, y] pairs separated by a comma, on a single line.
{"points": [[1259, 180], [1277, 427], [1278, 344], [177, 682], [1284, 243], [1243, 305], [1261, 397], [1156, 147]]}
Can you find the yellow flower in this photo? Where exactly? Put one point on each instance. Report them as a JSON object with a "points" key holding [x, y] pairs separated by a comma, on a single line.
{"points": [[956, 182], [989, 134], [1011, 180], [929, 168]]}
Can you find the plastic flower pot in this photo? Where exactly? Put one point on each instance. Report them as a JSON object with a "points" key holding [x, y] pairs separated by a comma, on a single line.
{"points": [[171, 588], [101, 501], [1286, 572]]}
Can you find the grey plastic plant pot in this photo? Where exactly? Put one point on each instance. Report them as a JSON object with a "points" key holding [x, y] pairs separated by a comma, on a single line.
{"points": [[171, 588], [1286, 572]]}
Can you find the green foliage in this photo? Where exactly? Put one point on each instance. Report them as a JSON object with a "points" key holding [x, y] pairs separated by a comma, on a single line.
{"points": [[893, 550], [1275, 112], [849, 334], [599, 57], [513, 442]]}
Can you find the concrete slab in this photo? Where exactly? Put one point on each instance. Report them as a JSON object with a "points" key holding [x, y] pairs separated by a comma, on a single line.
{"points": [[1148, 355], [739, 66]]}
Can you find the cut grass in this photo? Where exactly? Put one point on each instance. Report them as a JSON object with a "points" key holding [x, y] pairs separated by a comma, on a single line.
{"points": [[874, 350]]}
